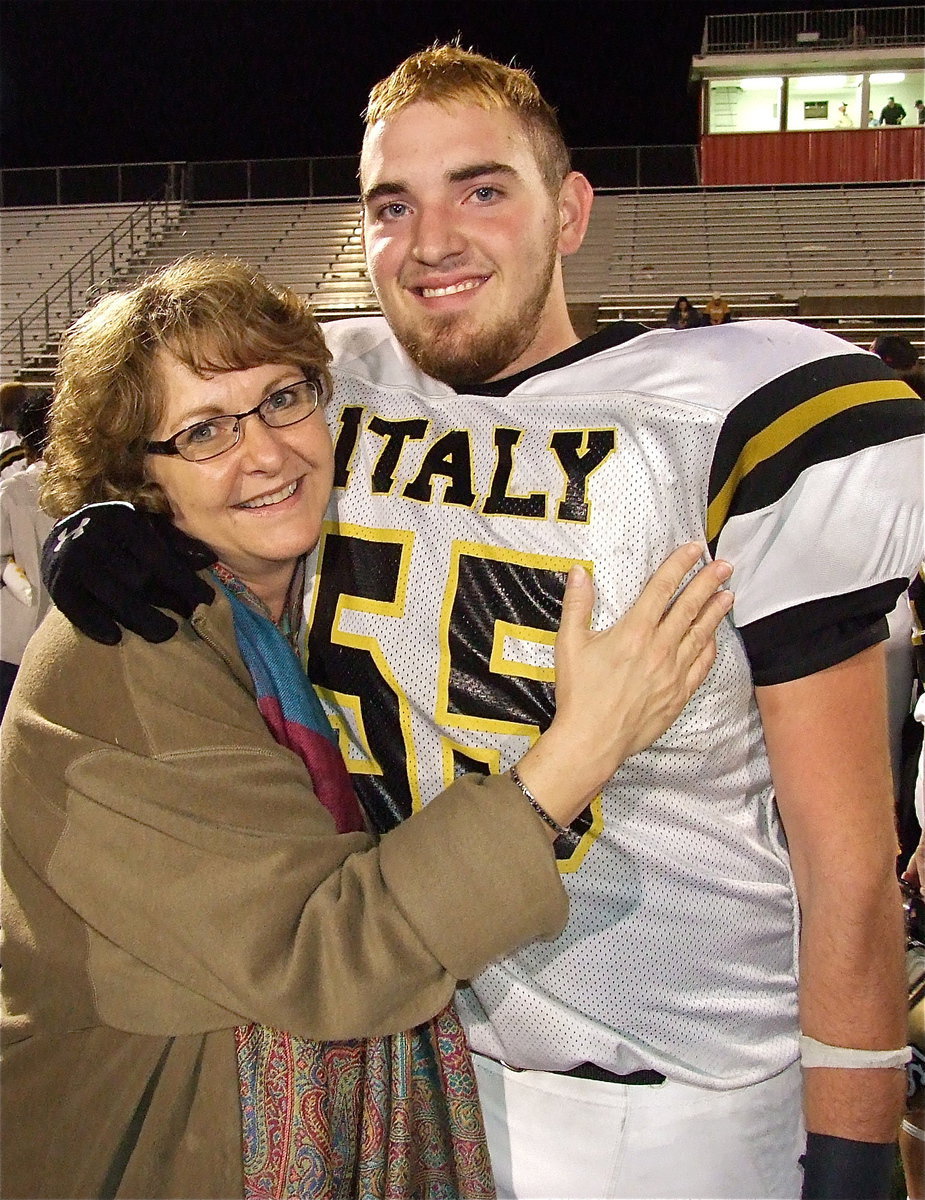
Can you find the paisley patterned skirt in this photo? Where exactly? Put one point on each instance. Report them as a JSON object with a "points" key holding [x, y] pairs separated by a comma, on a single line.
{"points": [[390, 1118]]}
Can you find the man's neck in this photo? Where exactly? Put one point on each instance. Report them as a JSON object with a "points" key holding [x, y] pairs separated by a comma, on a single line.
{"points": [[554, 333]]}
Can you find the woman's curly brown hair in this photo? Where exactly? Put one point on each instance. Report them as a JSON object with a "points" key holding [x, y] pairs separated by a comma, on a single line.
{"points": [[212, 313]]}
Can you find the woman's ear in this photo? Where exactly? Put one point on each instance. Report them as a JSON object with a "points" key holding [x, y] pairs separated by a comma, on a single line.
{"points": [[575, 199]]}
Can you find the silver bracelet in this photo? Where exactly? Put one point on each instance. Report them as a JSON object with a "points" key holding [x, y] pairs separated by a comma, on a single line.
{"points": [[562, 831]]}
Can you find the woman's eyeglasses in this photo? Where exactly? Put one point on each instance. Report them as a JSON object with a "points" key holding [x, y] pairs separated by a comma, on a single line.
{"points": [[208, 439]]}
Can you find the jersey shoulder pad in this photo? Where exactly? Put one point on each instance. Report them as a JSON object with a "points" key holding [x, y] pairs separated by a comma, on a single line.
{"points": [[821, 409], [365, 348]]}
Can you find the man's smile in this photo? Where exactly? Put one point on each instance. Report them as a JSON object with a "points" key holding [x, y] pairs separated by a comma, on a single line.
{"points": [[452, 289]]}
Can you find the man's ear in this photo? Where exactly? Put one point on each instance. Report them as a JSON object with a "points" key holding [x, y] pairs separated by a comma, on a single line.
{"points": [[575, 199]]}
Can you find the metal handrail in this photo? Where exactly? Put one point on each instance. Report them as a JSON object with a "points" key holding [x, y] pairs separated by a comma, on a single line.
{"points": [[171, 179], [678, 171], [39, 310], [276, 180], [805, 29]]}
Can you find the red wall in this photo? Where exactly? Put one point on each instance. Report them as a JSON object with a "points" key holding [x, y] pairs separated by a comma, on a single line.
{"points": [[826, 156]]}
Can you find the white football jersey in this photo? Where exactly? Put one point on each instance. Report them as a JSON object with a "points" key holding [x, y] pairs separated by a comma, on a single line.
{"points": [[433, 601]]}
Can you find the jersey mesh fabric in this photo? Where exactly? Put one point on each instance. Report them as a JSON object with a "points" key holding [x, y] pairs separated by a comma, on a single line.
{"points": [[432, 608]]}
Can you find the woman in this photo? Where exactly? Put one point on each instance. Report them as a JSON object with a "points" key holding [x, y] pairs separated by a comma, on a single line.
{"points": [[205, 948], [682, 315]]}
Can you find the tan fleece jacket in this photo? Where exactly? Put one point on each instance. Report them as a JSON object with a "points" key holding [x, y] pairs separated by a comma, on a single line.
{"points": [[169, 874]]}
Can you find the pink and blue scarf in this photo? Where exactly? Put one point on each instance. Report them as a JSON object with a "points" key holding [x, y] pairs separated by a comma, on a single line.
{"points": [[384, 1118]]}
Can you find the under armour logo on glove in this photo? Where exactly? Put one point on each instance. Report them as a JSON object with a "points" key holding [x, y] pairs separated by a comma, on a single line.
{"points": [[109, 566], [66, 534]]}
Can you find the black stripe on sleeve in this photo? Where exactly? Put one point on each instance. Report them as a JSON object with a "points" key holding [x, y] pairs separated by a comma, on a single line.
{"points": [[11, 455], [820, 411], [809, 637], [756, 411], [838, 436]]}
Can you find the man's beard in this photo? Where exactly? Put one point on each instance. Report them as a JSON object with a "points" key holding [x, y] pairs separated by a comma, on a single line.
{"points": [[443, 349]]}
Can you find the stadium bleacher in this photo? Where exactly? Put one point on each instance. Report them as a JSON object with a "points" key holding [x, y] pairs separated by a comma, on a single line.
{"points": [[792, 241], [56, 260], [847, 259]]}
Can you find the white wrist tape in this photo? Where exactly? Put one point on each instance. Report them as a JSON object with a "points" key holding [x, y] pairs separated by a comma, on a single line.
{"points": [[818, 1054], [913, 1131]]}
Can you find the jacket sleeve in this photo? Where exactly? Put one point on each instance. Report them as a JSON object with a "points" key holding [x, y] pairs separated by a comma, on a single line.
{"points": [[142, 783]]}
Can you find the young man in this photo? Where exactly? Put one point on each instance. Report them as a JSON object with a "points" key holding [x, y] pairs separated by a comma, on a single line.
{"points": [[653, 1049], [892, 113]]}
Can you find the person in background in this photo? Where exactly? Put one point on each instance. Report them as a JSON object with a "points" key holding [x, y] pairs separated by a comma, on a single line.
{"points": [[662, 1044], [920, 112], [717, 311], [843, 119], [899, 353], [892, 113], [912, 1131], [23, 528], [12, 453], [682, 315], [216, 982]]}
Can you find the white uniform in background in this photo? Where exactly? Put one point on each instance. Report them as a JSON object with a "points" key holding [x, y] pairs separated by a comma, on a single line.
{"points": [[23, 529], [12, 453]]}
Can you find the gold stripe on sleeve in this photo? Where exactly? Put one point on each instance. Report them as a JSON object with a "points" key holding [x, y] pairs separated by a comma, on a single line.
{"points": [[787, 428]]}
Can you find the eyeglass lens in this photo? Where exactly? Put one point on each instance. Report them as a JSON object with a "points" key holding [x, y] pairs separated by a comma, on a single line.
{"points": [[279, 409]]}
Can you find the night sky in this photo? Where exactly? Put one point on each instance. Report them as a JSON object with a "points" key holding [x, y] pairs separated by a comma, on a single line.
{"points": [[94, 81]]}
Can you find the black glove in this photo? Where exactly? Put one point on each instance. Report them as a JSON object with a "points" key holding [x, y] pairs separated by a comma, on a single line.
{"points": [[837, 1168], [108, 565]]}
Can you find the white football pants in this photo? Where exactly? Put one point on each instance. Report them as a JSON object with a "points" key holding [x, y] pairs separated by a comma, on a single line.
{"points": [[554, 1137]]}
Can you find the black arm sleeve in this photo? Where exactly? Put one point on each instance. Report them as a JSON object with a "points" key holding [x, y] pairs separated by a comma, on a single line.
{"points": [[837, 1168], [800, 641]]}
